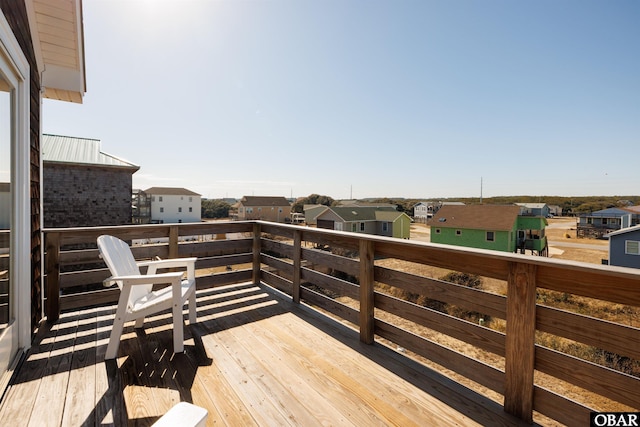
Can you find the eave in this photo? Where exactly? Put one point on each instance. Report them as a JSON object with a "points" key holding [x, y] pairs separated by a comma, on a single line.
{"points": [[58, 40]]}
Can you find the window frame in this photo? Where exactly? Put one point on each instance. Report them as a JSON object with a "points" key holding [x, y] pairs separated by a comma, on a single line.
{"points": [[635, 243]]}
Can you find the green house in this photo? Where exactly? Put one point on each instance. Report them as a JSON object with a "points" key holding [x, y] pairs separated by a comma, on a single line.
{"points": [[494, 227], [381, 221]]}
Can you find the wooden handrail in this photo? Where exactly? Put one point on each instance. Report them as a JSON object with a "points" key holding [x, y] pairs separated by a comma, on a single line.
{"points": [[280, 256]]}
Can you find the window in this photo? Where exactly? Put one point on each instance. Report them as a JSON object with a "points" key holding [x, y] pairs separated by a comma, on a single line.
{"points": [[179, 209], [632, 247], [362, 226], [159, 198], [153, 198], [490, 236], [458, 232], [385, 226], [190, 209], [354, 227], [161, 210]]}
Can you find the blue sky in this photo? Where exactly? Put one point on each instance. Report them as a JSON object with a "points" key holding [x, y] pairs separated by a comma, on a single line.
{"points": [[414, 99]]}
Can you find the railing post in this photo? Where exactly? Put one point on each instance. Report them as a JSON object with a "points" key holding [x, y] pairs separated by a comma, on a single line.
{"points": [[52, 291], [366, 291], [297, 261], [520, 340], [174, 233], [256, 253]]}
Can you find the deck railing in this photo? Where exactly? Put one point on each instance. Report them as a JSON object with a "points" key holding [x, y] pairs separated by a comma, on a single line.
{"points": [[349, 275]]}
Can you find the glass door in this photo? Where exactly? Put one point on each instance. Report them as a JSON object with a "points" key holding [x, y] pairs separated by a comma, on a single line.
{"points": [[8, 335], [15, 224]]}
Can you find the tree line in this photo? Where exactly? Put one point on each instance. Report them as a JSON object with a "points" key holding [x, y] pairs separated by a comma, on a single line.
{"points": [[218, 208]]}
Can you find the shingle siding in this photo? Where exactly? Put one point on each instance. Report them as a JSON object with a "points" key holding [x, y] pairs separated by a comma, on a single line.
{"points": [[81, 196]]}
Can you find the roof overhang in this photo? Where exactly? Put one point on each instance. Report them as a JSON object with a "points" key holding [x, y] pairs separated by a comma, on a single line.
{"points": [[58, 41]]}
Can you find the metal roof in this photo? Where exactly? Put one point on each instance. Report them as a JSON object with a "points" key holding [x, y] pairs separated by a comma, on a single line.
{"points": [[68, 149]]}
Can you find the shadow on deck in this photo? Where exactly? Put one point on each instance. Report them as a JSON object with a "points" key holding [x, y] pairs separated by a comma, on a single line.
{"points": [[253, 358]]}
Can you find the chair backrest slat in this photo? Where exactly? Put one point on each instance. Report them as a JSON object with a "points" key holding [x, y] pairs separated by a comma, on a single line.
{"points": [[118, 257]]}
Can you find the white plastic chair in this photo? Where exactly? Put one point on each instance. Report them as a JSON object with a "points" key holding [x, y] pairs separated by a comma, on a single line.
{"points": [[137, 297]]}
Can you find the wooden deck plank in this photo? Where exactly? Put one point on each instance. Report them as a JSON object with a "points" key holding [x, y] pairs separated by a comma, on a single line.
{"points": [[253, 358], [110, 407], [271, 376], [297, 380], [211, 388], [393, 399], [21, 395], [80, 396], [454, 399], [53, 387]]}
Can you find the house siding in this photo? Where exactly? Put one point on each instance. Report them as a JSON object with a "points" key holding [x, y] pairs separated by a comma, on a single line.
{"points": [[175, 208], [274, 209], [617, 250], [473, 238], [84, 196], [16, 15]]}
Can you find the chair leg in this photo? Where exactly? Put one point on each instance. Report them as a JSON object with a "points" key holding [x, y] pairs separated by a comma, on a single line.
{"points": [[192, 308], [178, 332], [139, 322], [114, 338]]}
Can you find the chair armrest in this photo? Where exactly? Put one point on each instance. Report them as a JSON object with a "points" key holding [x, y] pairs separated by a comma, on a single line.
{"points": [[168, 263], [188, 263], [144, 279]]}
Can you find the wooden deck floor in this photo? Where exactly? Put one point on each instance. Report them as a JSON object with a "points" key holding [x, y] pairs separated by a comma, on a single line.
{"points": [[253, 358]]}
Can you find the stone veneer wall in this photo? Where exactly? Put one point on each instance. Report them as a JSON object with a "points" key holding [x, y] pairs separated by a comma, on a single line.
{"points": [[86, 196]]}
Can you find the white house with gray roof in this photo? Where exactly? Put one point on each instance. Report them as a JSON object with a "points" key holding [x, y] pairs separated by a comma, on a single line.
{"points": [[174, 205]]}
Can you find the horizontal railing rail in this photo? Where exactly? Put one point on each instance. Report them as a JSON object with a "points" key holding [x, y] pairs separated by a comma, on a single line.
{"points": [[380, 285]]}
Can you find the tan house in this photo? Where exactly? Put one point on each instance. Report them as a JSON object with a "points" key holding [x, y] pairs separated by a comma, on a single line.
{"points": [[276, 209]]}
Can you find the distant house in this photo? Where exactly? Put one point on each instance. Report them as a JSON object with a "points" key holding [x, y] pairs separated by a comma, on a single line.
{"points": [[599, 223], [381, 221], [174, 205], [495, 227], [555, 210], [311, 213], [266, 208], [83, 186], [534, 209], [624, 247], [422, 211], [141, 205]]}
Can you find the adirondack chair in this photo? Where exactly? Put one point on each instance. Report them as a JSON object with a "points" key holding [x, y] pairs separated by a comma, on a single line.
{"points": [[138, 299]]}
